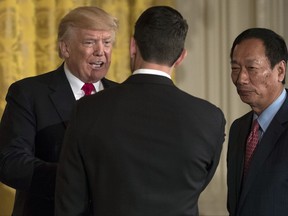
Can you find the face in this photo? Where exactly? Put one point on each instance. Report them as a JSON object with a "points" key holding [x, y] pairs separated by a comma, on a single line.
{"points": [[257, 83], [87, 53]]}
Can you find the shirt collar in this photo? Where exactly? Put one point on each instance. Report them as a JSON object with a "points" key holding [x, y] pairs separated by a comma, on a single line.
{"points": [[151, 72], [76, 84], [268, 114]]}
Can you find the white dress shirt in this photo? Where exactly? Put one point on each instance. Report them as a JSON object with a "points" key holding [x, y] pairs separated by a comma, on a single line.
{"points": [[77, 84], [152, 72]]}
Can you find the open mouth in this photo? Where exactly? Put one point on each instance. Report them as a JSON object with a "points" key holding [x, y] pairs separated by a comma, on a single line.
{"points": [[97, 64]]}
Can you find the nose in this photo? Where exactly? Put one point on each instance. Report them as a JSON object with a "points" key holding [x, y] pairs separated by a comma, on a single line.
{"points": [[242, 77], [98, 49]]}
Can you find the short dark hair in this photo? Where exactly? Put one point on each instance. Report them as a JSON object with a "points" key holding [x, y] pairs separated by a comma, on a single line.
{"points": [[275, 46], [160, 34]]}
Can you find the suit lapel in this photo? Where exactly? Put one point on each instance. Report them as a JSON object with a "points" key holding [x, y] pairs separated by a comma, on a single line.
{"points": [[240, 152], [62, 96], [265, 147]]}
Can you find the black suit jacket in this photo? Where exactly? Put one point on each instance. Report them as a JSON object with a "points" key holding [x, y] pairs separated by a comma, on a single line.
{"points": [[31, 133], [147, 149], [264, 191]]}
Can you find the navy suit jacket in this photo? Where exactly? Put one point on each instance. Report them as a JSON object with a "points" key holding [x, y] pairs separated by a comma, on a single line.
{"points": [[148, 149], [31, 133], [265, 188]]}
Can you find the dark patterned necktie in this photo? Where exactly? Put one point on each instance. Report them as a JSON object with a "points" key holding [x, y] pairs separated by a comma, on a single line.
{"points": [[251, 144], [88, 88]]}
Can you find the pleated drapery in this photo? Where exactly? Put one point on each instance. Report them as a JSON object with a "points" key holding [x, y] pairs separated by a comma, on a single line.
{"points": [[28, 34]]}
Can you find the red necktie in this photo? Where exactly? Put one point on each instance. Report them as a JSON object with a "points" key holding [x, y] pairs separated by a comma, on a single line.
{"points": [[251, 144], [88, 88]]}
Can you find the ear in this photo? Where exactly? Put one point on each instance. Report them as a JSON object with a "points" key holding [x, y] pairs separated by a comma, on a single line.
{"points": [[281, 69], [181, 58], [64, 49], [133, 48]]}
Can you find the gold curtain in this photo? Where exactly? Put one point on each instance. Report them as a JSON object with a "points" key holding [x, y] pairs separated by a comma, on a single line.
{"points": [[28, 45]]}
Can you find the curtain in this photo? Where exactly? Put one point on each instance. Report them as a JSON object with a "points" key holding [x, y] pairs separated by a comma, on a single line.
{"points": [[28, 47], [28, 44], [29, 32], [205, 73]]}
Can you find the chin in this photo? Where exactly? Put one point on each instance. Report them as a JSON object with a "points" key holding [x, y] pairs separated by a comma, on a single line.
{"points": [[246, 99]]}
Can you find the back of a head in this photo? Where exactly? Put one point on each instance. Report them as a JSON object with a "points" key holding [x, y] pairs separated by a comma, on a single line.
{"points": [[160, 34], [86, 17]]}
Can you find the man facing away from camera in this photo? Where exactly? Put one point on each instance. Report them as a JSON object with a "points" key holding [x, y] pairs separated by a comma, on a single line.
{"points": [[148, 148]]}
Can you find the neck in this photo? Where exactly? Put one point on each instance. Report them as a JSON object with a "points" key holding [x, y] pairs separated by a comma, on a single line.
{"points": [[154, 66]]}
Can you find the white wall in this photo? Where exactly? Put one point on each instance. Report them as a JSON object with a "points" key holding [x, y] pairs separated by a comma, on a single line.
{"points": [[213, 25]]}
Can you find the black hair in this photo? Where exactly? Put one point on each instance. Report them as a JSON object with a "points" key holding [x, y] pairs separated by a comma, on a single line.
{"points": [[160, 34]]}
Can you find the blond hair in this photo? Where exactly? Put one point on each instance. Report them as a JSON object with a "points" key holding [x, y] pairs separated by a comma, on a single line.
{"points": [[86, 17]]}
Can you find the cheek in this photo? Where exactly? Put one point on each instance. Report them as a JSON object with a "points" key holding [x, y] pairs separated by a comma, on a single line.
{"points": [[82, 55], [265, 83], [108, 52], [267, 75], [270, 79], [80, 50], [259, 82], [234, 78]]}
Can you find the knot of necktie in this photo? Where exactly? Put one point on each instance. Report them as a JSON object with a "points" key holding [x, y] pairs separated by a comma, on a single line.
{"points": [[88, 88]]}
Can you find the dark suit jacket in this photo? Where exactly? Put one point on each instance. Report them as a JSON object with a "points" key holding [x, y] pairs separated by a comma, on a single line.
{"points": [[147, 149], [265, 189], [31, 133]]}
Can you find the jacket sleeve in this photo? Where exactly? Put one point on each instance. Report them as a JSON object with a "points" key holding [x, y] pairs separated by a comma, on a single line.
{"points": [[219, 141], [71, 194], [18, 164]]}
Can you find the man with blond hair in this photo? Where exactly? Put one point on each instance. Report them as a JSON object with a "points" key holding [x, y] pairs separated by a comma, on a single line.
{"points": [[38, 108]]}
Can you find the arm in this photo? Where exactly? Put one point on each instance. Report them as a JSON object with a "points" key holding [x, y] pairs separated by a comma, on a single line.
{"points": [[220, 119], [18, 165], [71, 194]]}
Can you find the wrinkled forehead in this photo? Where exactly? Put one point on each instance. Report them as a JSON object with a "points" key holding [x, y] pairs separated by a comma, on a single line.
{"points": [[83, 33]]}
